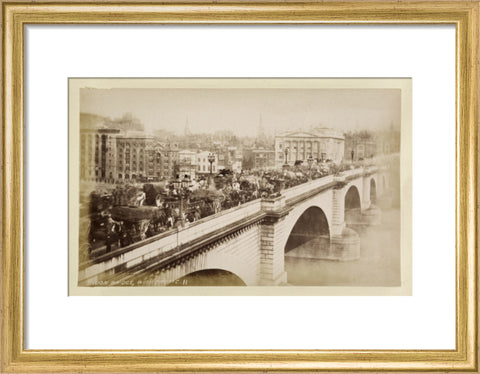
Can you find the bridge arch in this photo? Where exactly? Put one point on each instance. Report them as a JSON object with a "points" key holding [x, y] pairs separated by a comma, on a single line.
{"points": [[312, 224], [222, 261], [352, 198], [353, 205], [209, 277]]}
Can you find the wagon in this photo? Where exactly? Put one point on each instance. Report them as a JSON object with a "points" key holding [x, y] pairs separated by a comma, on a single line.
{"points": [[137, 223]]}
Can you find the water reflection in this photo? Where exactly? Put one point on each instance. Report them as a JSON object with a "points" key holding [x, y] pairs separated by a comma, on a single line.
{"points": [[378, 265]]}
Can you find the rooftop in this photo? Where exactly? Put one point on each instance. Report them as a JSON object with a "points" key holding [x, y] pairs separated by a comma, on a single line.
{"points": [[318, 132]]}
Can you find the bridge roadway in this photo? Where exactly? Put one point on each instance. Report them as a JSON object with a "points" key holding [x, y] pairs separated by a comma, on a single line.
{"points": [[249, 240]]}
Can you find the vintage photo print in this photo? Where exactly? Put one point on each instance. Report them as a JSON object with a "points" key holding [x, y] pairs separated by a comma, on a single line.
{"points": [[239, 186]]}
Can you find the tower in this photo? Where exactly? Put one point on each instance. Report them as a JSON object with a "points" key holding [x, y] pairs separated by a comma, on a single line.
{"points": [[186, 130], [261, 137]]}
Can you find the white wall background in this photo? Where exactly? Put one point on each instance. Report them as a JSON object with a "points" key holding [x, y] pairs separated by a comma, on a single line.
{"points": [[425, 320]]}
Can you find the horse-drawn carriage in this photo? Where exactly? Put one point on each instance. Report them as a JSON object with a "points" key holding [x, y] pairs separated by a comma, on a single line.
{"points": [[130, 214], [136, 223], [120, 218], [205, 202]]}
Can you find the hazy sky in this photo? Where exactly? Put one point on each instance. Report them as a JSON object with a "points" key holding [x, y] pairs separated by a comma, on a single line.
{"points": [[240, 110]]}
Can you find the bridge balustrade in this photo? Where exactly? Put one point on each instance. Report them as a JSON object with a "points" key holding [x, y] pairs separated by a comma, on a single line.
{"points": [[156, 245], [220, 224], [353, 172], [219, 220], [308, 186]]}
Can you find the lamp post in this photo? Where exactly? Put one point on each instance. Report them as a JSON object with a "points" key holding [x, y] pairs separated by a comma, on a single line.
{"points": [[286, 156], [310, 162], [211, 159], [177, 185]]}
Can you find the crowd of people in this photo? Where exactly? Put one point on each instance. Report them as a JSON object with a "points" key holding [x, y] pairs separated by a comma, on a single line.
{"points": [[130, 213]]}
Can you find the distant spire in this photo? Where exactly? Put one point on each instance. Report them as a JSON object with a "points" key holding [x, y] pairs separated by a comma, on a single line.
{"points": [[261, 131], [186, 130]]}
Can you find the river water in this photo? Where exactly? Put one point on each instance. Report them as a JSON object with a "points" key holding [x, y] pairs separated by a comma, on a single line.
{"points": [[378, 265]]}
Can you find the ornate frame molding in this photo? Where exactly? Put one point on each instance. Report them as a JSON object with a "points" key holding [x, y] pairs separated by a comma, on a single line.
{"points": [[463, 14]]}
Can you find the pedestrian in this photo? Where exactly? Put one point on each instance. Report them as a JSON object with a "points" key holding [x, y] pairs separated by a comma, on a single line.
{"points": [[110, 232]]}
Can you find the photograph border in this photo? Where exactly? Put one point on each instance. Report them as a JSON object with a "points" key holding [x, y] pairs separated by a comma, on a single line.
{"points": [[15, 358], [403, 85]]}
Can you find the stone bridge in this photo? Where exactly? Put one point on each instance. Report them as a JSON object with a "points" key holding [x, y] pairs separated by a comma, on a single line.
{"points": [[249, 242]]}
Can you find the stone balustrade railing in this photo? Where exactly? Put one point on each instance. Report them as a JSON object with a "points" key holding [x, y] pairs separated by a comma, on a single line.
{"points": [[157, 245], [162, 243], [308, 186]]}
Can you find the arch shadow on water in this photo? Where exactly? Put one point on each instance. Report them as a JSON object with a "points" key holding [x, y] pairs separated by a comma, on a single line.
{"points": [[312, 228], [308, 243], [352, 198], [208, 277], [353, 210]]}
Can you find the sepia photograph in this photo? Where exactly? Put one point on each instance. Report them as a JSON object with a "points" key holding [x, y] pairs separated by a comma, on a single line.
{"points": [[273, 186]]}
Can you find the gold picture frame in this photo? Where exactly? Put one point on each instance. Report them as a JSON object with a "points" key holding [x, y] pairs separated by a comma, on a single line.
{"points": [[463, 14]]}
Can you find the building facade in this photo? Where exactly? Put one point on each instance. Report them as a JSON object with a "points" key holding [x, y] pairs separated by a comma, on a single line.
{"points": [[321, 144], [229, 157], [187, 164], [98, 154], [359, 147], [143, 158], [161, 160], [132, 157], [258, 159], [203, 165], [110, 155], [363, 145], [169, 153]]}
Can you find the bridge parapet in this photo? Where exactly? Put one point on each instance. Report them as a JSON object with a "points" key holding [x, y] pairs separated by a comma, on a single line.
{"points": [[261, 225], [370, 170], [134, 254], [340, 178], [219, 221], [293, 192], [273, 204], [352, 173]]}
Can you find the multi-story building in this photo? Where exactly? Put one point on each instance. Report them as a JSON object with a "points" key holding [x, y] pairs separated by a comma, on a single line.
{"points": [[98, 154], [364, 144], [111, 154], [359, 146], [203, 165], [142, 157], [132, 158], [187, 164], [258, 159], [221, 159], [88, 149], [234, 159], [228, 157], [169, 151], [320, 143], [153, 159], [161, 160]]}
